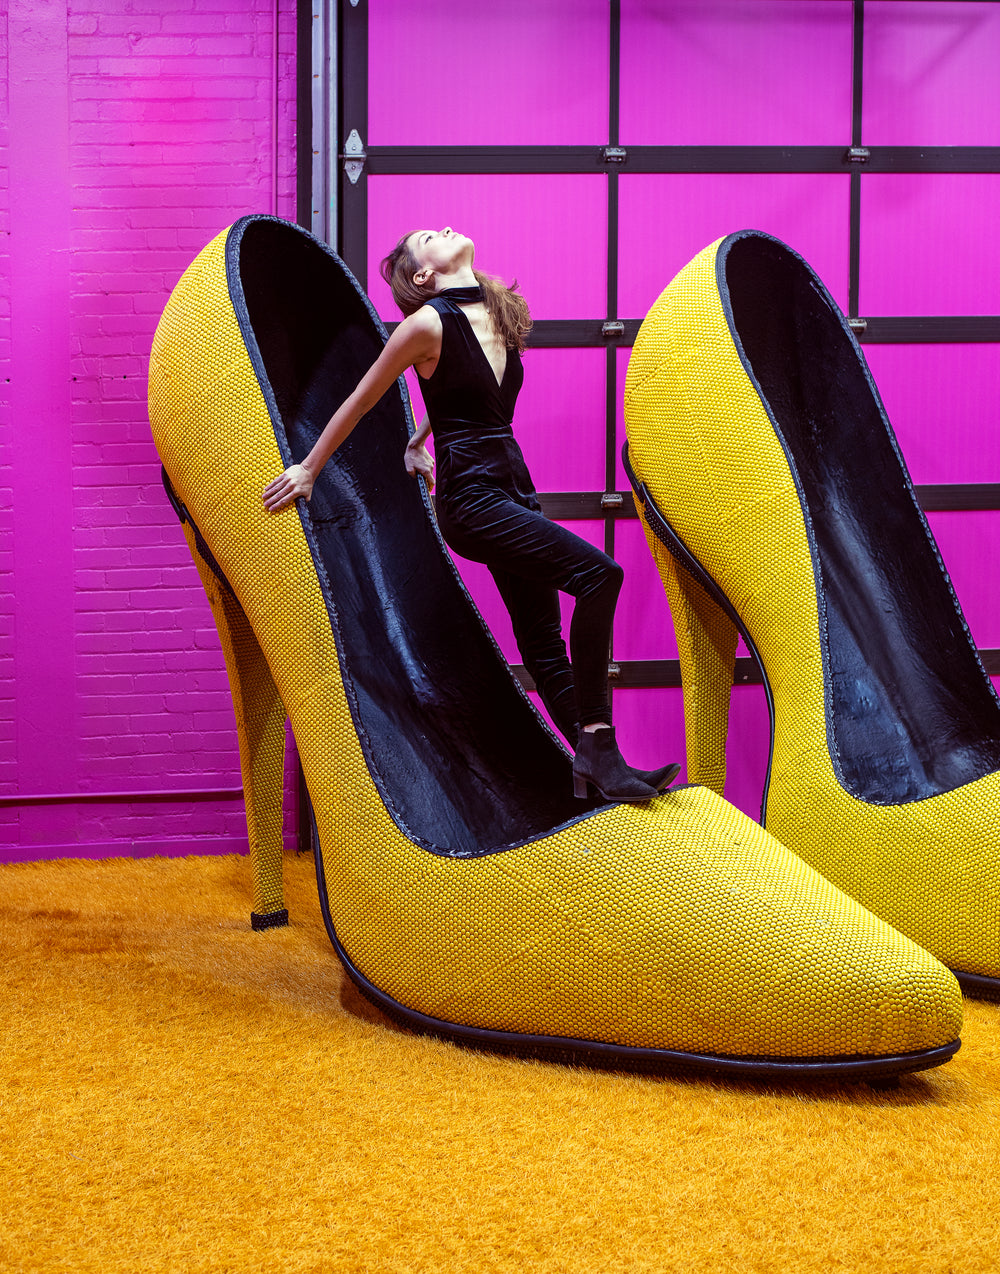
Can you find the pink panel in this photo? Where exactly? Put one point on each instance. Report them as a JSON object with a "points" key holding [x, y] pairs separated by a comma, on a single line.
{"points": [[537, 229], [736, 72], [930, 73], [929, 243], [650, 727], [970, 547], [622, 355], [442, 73], [560, 418], [480, 584], [666, 219], [643, 628], [942, 401], [747, 748]]}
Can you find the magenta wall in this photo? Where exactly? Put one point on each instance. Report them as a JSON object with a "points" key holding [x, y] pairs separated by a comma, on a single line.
{"points": [[132, 131], [136, 132]]}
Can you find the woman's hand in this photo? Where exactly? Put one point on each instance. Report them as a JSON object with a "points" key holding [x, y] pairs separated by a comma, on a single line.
{"points": [[420, 463], [295, 482]]}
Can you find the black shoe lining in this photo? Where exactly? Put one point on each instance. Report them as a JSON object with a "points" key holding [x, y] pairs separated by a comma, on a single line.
{"points": [[461, 760], [910, 710]]}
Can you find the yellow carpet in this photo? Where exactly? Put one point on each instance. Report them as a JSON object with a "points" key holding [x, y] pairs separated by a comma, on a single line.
{"points": [[182, 1094]]}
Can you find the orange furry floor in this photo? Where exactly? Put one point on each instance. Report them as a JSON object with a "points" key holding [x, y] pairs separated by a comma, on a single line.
{"points": [[182, 1094]]}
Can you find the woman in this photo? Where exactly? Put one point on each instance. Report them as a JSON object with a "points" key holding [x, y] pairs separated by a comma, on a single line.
{"points": [[464, 334]]}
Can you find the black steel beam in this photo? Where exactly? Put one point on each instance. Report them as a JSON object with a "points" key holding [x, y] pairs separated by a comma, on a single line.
{"points": [[352, 198], [932, 159], [878, 330], [649, 674], [567, 506], [929, 329], [303, 114], [397, 160]]}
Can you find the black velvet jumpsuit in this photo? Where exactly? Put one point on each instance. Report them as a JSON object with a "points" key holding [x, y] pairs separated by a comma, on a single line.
{"points": [[488, 511]]}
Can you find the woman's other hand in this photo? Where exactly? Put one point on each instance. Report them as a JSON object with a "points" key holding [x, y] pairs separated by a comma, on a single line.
{"points": [[294, 483], [420, 463]]}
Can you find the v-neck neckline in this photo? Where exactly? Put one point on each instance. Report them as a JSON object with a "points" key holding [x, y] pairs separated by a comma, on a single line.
{"points": [[486, 358]]}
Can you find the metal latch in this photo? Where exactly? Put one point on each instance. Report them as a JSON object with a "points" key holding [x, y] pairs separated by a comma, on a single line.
{"points": [[614, 154], [612, 500], [858, 155], [354, 156], [613, 327], [614, 672], [857, 324]]}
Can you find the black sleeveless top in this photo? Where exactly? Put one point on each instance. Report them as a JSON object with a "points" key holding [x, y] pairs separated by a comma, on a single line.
{"points": [[469, 411]]}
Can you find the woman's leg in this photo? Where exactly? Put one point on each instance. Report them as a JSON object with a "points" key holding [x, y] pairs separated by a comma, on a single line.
{"points": [[523, 543], [537, 623]]}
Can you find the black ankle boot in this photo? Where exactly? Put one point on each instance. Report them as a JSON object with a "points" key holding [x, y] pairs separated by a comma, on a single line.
{"points": [[600, 765], [658, 779]]}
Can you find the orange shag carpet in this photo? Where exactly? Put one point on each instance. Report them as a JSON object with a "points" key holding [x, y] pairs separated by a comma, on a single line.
{"points": [[182, 1094]]}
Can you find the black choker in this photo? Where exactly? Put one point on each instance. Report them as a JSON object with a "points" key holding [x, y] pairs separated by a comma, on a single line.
{"points": [[463, 296]]}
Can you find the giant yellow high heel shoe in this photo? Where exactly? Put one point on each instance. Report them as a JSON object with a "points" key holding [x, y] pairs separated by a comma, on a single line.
{"points": [[462, 888], [775, 500]]}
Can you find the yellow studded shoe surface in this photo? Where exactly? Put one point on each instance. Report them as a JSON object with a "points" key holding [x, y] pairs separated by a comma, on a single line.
{"points": [[679, 928], [883, 769]]}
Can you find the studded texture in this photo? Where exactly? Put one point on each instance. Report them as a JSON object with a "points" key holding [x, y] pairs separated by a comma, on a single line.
{"points": [[676, 925], [703, 445]]}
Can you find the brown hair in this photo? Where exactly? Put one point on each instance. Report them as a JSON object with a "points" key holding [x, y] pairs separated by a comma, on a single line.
{"points": [[506, 307]]}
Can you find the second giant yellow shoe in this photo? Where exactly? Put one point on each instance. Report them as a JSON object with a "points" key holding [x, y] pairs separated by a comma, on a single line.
{"points": [[462, 888], [775, 501]]}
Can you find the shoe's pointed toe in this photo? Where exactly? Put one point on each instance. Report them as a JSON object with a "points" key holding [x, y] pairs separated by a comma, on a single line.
{"points": [[676, 931], [776, 502]]}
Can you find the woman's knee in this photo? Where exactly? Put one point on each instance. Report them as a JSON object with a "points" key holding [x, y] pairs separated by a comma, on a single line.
{"points": [[612, 576], [601, 577]]}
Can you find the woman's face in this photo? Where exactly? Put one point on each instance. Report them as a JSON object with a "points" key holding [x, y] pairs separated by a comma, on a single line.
{"points": [[439, 252]]}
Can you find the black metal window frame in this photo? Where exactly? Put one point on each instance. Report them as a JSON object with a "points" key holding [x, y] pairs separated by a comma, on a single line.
{"points": [[358, 162]]}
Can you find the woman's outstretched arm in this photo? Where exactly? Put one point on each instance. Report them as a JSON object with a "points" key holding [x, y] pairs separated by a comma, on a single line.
{"points": [[416, 340]]}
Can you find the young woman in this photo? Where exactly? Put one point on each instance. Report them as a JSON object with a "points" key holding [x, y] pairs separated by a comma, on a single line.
{"points": [[464, 333]]}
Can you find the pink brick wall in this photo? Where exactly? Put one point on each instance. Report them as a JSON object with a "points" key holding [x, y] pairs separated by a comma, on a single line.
{"points": [[138, 130]]}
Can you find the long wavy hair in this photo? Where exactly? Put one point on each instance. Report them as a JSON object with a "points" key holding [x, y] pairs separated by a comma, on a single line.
{"points": [[505, 305]]}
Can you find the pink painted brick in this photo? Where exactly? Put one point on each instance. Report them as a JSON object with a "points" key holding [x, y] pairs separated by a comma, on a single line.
{"points": [[163, 153]]}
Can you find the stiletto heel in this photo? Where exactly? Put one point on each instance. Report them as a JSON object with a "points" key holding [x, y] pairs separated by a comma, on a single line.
{"points": [[764, 461], [706, 647], [260, 728], [465, 890]]}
